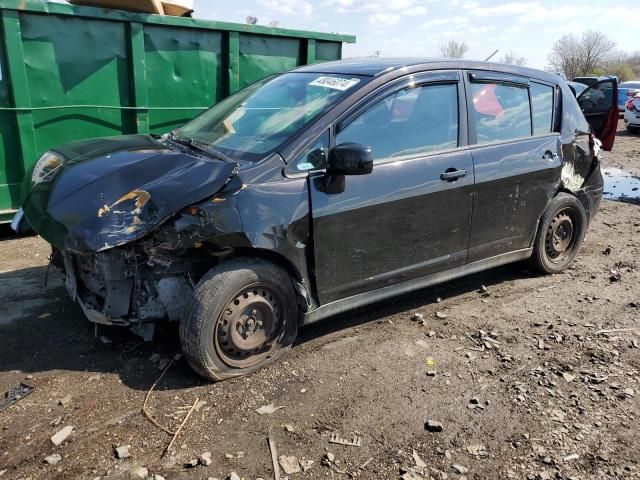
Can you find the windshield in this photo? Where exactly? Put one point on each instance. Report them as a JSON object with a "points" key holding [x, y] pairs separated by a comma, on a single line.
{"points": [[259, 119]]}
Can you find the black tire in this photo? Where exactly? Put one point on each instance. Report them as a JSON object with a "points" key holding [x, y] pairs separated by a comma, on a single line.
{"points": [[633, 130], [560, 234], [242, 317]]}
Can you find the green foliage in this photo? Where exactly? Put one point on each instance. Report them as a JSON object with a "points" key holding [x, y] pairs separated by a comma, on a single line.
{"points": [[623, 71]]}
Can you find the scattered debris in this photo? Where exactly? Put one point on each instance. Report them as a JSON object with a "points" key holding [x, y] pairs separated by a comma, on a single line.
{"points": [[184, 421], [433, 426], [61, 436], [419, 462], [235, 476], [417, 317], [289, 464], [53, 459], [289, 428], [65, 401], [568, 377], [430, 362], [145, 413], [570, 458], [123, 452], [431, 373], [441, 315], [193, 463], [15, 394], [477, 450], [274, 457], [355, 441], [268, 409], [460, 469]]}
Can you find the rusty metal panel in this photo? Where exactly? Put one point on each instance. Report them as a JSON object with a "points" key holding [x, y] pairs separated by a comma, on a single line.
{"points": [[74, 72]]}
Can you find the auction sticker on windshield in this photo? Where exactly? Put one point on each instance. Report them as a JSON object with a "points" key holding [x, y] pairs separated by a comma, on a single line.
{"points": [[335, 83]]}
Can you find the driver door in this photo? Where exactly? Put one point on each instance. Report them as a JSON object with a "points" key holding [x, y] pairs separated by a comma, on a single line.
{"points": [[410, 217], [599, 103]]}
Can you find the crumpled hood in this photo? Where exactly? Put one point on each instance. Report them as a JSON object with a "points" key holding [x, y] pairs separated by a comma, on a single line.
{"points": [[109, 192]]}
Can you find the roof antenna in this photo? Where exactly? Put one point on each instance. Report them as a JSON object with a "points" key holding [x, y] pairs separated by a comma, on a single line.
{"points": [[491, 56]]}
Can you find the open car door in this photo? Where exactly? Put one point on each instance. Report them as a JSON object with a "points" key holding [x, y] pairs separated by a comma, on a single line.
{"points": [[599, 103]]}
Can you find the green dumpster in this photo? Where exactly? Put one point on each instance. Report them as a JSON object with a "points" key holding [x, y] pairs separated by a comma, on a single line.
{"points": [[68, 73]]}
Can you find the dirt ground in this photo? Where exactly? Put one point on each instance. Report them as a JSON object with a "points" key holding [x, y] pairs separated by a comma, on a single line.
{"points": [[520, 374]]}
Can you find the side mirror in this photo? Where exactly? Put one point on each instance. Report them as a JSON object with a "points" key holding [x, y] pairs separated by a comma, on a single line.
{"points": [[350, 159]]}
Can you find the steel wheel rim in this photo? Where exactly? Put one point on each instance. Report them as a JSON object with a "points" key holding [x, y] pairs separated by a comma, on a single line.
{"points": [[560, 238], [248, 326]]}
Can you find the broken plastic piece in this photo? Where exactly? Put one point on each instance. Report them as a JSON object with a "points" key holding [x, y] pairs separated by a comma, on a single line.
{"points": [[355, 441], [15, 394]]}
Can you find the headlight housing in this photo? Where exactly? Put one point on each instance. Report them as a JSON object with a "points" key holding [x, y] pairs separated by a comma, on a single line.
{"points": [[46, 166]]}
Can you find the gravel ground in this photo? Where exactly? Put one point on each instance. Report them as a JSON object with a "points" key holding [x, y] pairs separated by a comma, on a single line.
{"points": [[519, 370]]}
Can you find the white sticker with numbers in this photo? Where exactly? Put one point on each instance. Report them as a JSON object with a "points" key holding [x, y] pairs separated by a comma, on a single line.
{"points": [[335, 83]]}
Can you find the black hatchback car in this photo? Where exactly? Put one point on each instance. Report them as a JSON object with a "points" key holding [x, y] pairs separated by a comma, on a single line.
{"points": [[317, 191]]}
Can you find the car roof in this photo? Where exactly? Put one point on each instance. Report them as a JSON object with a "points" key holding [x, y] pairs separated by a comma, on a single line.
{"points": [[374, 67]]}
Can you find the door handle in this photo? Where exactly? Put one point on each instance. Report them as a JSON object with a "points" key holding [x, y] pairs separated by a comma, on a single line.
{"points": [[453, 174]]}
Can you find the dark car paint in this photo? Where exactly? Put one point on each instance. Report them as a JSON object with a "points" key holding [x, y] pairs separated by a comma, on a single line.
{"points": [[115, 191], [327, 241]]}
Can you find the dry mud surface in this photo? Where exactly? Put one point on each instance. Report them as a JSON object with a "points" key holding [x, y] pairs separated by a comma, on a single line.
{"points": [[522, 378]]}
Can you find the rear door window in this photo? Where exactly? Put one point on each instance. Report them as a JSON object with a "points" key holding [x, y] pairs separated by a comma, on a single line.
{"points": [[501, 112], [542, 107], [410, 122]]}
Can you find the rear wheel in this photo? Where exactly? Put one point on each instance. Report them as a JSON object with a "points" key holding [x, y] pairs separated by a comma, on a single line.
{"points": [[560, 234], [243, 316], [631, 129]]}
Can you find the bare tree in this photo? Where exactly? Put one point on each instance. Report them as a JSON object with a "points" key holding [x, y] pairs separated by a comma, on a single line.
{"points": [[251, 20], [453, 49], [580, 56], [512, 58]]}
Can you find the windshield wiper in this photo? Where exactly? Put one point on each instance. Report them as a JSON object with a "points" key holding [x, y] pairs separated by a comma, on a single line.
{"points": [[201, 147]]}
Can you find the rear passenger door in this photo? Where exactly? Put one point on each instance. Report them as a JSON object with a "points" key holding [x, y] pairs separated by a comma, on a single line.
{"points": [[516, 159]]}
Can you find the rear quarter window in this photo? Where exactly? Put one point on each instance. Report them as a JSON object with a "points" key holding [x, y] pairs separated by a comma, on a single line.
{"points": [[542, 107]]}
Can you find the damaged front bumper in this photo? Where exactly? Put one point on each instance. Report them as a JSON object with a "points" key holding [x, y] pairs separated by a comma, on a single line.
{"points": [[124, 288]]}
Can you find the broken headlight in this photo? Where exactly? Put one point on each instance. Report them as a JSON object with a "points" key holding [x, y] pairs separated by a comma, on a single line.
{"points": [[48, 163]]}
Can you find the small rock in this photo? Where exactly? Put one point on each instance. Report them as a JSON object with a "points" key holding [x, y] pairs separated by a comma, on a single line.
{"points": [[53, 459], [433, 426], [61, 436], [441, 315], [477, 450], [289, 464], [541, 343], [304, 390], [65, 401], [629, 392], [228, 455], [105, 340], [330, 457], [460, 469], [233, 476], [123, 452], [431, 334], [570, 458], [205, 459], [289, 428], [568, 377], [475, 400], [306, 464], [141, 472], [193, 463], [157, 477], [155, 358], [431, 373], [417, 317]]}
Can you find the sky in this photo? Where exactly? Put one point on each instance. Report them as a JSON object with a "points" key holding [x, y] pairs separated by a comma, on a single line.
{"points": [[418, 27]]}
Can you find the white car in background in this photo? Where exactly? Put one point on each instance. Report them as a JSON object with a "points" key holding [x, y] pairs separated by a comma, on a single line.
{"points": [[632, 114]]}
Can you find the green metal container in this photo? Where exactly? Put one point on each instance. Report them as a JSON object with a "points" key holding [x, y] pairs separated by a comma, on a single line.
{"points": [[68, 73]]}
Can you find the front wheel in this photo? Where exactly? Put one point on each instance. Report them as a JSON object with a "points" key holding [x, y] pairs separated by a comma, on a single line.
{"points": [[242, 317], [560, 234]]}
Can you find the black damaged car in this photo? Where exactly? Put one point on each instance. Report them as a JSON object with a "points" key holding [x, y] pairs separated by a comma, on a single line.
{"points": [[320, 190]]}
